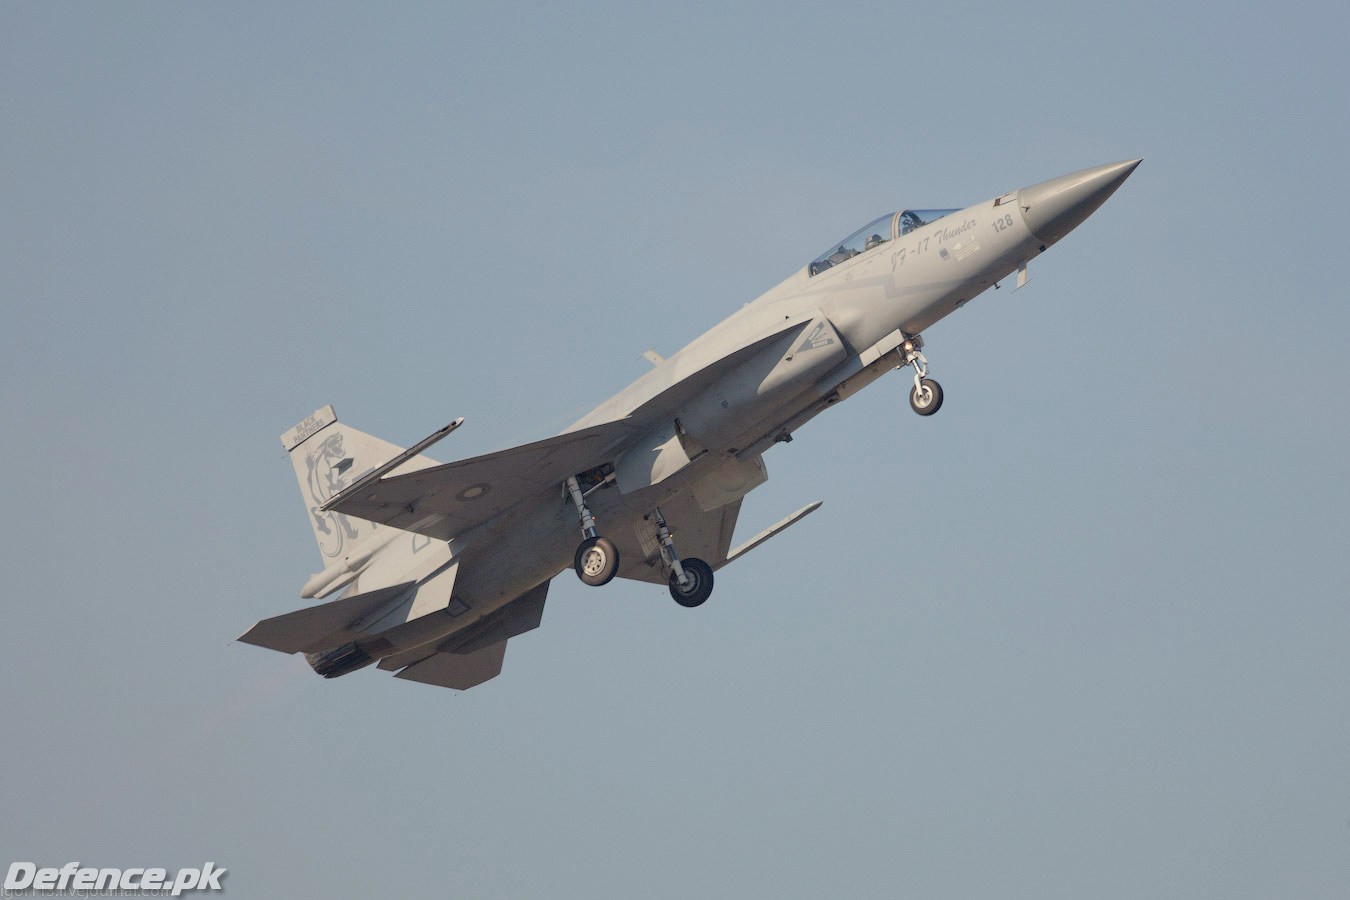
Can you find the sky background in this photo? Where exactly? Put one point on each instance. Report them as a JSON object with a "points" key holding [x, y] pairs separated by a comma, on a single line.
{"points": [[1082, 634]]}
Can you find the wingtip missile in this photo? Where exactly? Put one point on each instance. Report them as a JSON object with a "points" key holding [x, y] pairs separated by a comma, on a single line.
{"points": [[380, 471]]}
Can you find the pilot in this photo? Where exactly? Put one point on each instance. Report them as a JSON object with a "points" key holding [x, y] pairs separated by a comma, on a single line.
{"points": [[840, 255], [875, 240]]}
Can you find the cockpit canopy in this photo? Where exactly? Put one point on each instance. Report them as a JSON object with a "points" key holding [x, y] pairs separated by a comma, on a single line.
{"points": [[874, 234]]}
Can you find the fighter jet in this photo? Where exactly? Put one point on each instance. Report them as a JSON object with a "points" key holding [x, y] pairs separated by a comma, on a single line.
{"points": [[441, 564]]}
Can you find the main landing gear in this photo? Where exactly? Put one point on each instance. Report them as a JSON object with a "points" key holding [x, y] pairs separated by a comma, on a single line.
{"points": [[926, 396], [691, 580], [597, 559]]}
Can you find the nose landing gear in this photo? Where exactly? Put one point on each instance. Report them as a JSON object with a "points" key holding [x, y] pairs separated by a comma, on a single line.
{"points": [[926, 396]]}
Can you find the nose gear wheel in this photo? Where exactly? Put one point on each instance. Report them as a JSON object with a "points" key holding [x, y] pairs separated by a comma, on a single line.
{"points": [[925, 398]]}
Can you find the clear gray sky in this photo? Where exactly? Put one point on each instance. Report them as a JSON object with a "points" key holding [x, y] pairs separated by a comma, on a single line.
{"points": [[1083, 634]]}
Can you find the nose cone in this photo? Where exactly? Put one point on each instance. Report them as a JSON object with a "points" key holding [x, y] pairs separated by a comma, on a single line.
{"points": [[1054, 208]]}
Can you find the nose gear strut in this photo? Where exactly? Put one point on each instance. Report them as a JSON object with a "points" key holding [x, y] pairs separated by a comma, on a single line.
{"points": [[926, 397]]}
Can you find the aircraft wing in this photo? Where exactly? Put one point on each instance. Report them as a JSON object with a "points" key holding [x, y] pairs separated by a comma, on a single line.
{"points": [[704, 535], [447, 500]]}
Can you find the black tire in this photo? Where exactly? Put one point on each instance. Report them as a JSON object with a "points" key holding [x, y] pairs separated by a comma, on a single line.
{"points": [[931, 400], [597, 561], [700, 584]]}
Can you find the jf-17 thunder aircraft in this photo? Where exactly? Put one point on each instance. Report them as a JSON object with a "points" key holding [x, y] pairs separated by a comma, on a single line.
{"points": [[440, 565]]}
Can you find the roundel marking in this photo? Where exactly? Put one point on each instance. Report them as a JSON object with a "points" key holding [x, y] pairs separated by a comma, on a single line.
{"points": [[474, 491]]}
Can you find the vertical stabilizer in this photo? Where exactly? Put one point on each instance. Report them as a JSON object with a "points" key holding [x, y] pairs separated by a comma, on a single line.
{"points": [[329, 456]]}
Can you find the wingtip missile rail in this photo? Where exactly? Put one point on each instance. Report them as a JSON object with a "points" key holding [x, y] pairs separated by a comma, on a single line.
{"points": [[379, 472]]}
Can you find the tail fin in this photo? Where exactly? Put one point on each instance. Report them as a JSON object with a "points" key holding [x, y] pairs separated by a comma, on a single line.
{"points": [[328, 456]]}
